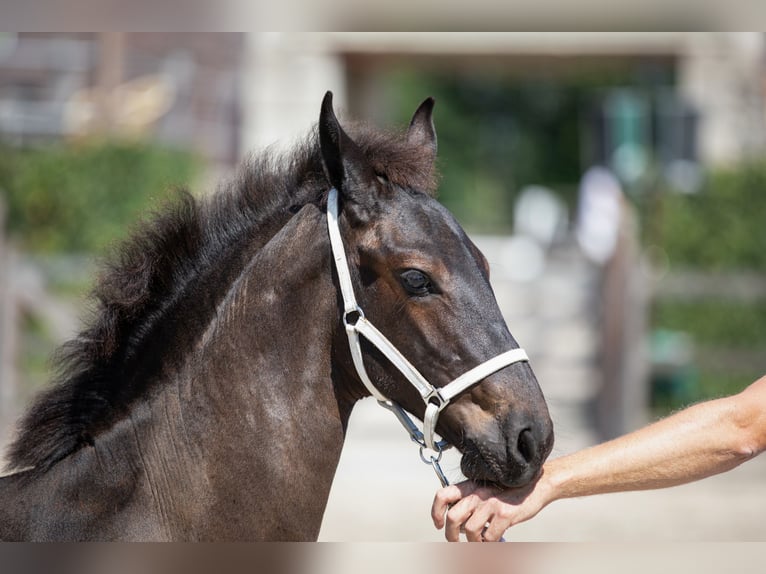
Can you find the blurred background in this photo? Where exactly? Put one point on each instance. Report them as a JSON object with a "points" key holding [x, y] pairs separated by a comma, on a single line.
{"points": [[614, 181]]}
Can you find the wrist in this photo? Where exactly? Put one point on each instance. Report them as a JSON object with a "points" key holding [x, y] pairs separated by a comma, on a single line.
{"points": [[551, 483]]}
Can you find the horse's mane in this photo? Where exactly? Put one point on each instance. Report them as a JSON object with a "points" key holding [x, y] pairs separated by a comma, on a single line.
{"points": [[114, 360]]}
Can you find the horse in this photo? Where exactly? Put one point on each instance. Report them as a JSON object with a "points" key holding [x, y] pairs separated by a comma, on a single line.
{"points": [[209, 396]]}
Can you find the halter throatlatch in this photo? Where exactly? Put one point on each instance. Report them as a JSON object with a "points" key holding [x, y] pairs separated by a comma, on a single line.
{"points": [[356, 324]]}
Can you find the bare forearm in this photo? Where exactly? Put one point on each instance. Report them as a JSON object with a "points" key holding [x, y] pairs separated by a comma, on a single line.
{"points": [[700, 441], [695, 443]]}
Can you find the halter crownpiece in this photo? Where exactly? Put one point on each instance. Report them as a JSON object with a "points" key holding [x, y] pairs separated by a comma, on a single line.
{"points": [[356, 324]]}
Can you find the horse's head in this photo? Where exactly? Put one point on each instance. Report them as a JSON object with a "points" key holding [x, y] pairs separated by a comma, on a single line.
{"points": [[425, 285]]}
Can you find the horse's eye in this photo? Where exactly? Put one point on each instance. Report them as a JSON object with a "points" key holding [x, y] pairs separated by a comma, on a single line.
{"points": [[416, 282]]}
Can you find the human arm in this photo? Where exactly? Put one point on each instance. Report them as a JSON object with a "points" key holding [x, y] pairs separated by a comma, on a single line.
{"points": [[702, 440]]}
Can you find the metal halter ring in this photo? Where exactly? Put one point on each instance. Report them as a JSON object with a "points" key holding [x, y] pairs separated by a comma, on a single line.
{"points": [[357, 313], [436, 398], [434, 462], [431, 459]]}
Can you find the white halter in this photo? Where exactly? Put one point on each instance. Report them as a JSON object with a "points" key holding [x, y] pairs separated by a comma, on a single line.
{"points": [[435, 399]]}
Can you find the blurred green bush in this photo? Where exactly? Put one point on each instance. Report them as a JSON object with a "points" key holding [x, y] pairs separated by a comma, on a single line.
{"points": [[80, 197], [69, 198], [716, 322], [499, 132], [721, 227]]}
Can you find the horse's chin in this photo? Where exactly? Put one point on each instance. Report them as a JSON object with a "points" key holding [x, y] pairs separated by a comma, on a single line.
{"points": [[483, 469]]}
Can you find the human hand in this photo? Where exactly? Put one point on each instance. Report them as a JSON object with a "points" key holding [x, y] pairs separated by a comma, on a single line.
{"points": [[484, 512]]}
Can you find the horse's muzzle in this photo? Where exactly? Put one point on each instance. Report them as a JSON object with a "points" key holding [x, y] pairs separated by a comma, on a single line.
{"points": [[511, 456]]}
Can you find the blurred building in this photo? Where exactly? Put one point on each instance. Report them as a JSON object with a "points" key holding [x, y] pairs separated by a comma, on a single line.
{"points": [[226, 93], [718, 78], [182, 89]]}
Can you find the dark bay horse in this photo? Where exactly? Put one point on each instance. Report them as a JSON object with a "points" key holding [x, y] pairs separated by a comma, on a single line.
{"points": [[209, 398]]}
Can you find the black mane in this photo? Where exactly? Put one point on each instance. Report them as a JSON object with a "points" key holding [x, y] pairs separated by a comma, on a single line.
{"points": [[182, 251]]}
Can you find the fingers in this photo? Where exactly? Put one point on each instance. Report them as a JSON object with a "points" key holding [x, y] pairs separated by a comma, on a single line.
{"points": [[446, 497], [476, 523], [489, 521], [478, 519], [457, 516], [480, 512], [442, 501], [496, 528]]}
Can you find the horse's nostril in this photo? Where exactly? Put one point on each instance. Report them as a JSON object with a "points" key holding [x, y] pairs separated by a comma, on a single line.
{"points": [[526, 445]]}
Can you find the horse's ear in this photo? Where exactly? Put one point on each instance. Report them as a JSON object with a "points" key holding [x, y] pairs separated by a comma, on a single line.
{"points": [[345, 165], [421, 130]]}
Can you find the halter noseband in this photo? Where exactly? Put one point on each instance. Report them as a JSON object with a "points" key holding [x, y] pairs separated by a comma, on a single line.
{"points": [[356, 324]]}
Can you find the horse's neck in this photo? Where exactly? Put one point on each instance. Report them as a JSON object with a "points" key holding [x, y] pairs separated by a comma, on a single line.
{"points": [[241, 439], [255, 407]]}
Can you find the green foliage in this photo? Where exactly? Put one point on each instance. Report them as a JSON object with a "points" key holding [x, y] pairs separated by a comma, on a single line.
{"points": [[722, 227], [34, 358], [715, 322], [701, 386], [716, 385], [65, 197], [500, 130]]}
